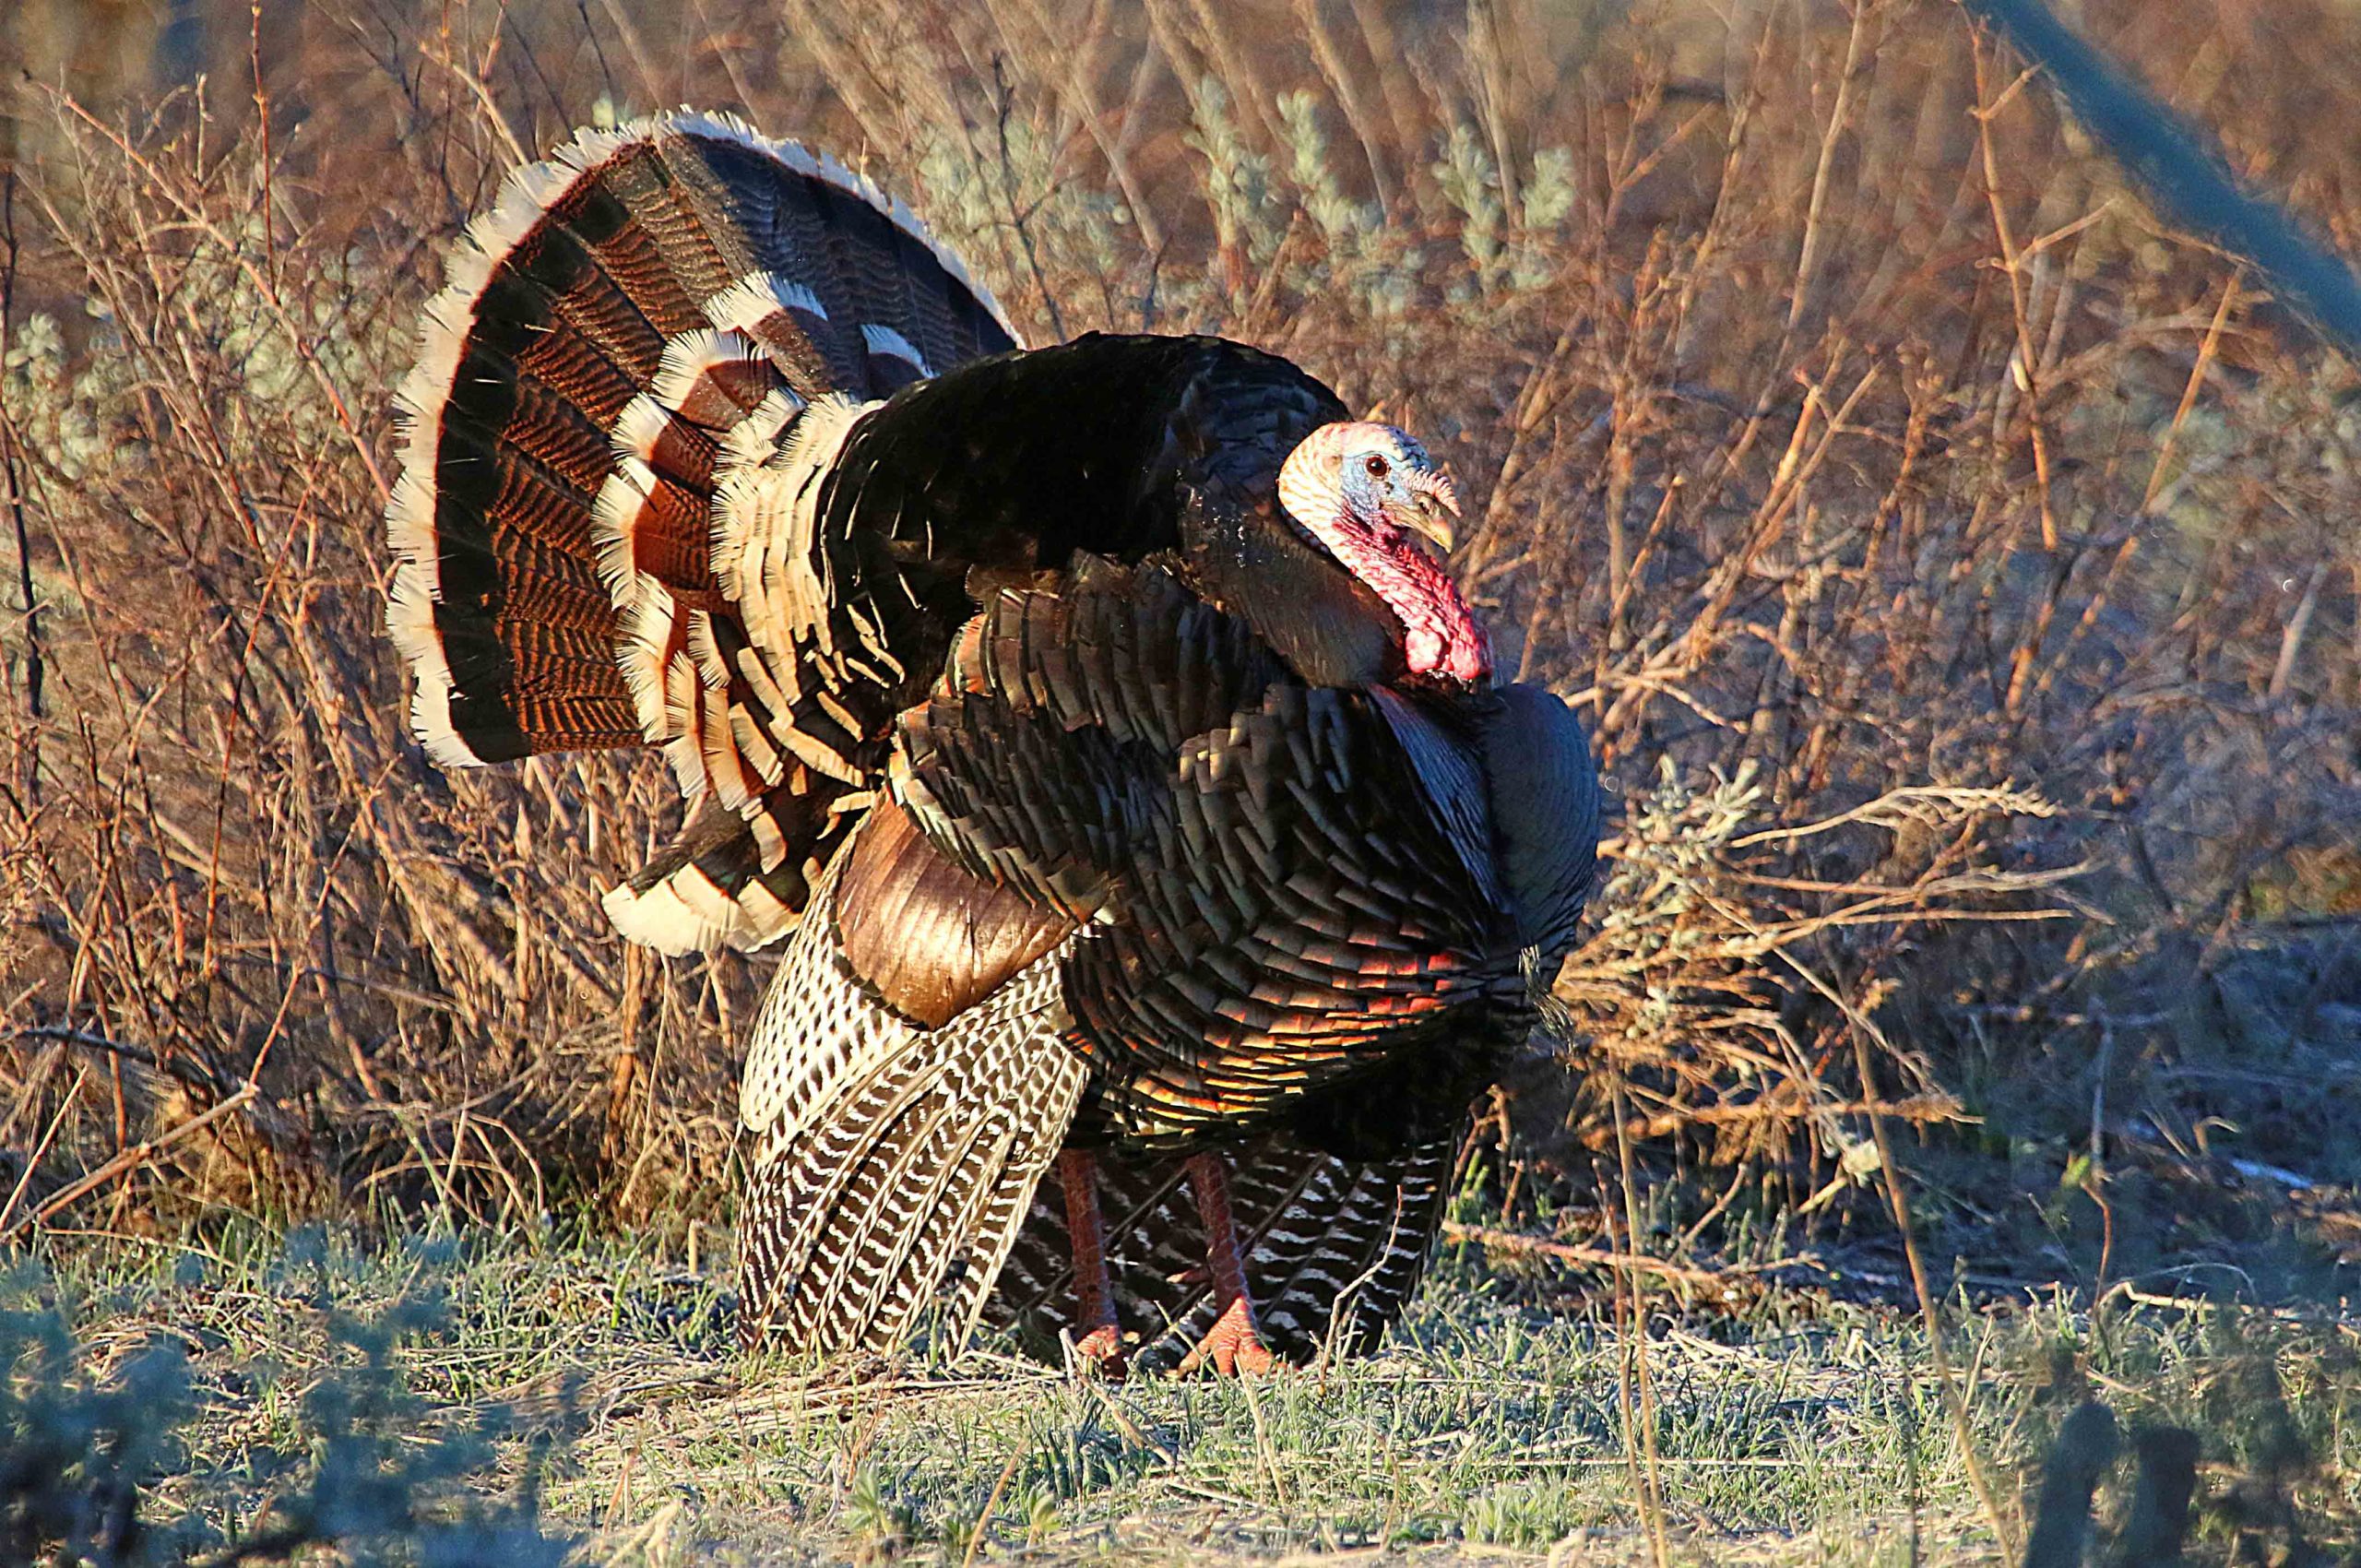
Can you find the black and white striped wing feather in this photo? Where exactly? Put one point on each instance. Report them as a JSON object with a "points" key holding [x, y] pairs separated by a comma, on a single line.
{"points": [[1335, 1248], [890, 1166]]}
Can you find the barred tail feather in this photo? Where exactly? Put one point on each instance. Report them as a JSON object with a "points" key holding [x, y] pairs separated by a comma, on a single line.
{"points": [[727, 881], [620, 312]]}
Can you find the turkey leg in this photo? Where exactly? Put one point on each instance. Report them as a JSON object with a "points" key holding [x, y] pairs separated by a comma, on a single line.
{"points": [[1235, 1344], [1098, 1339]]}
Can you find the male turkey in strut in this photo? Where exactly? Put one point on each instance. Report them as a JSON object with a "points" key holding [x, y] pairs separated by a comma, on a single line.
{"points": [[1128, 784]]}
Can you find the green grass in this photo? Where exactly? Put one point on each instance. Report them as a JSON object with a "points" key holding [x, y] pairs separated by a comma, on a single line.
{"points": [[597, 1388]]}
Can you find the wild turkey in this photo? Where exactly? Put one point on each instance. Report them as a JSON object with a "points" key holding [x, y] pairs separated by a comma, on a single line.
{"points": [[1128, 785]]}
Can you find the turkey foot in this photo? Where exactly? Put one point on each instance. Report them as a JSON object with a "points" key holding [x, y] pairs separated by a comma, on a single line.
{"points": [[1098, 1337], [1234, 1345]]}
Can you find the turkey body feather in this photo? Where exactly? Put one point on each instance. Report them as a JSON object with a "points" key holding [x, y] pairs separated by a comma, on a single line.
{"points": [[1279, 887], [1101, 799]]}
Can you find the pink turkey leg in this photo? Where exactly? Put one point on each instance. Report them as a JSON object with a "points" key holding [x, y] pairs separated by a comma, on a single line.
{"points": [[1235, 1344], [1099, 1342]]}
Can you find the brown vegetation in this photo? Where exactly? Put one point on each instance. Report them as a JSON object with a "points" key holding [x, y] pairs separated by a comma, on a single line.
{"points": [[1914, 519]]}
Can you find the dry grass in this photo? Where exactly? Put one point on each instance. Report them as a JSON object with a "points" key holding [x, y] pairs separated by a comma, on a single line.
{"points": [[1914, 520]]}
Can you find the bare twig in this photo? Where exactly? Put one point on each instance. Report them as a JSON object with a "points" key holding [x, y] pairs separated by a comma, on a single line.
{"points": [[130, 1159], [2182, 171], [12, 471]]}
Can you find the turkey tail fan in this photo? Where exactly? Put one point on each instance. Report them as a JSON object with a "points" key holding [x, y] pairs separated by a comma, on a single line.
{"points": [[630, 315], [708, 889], [1335, 1248], [891, 1166]]}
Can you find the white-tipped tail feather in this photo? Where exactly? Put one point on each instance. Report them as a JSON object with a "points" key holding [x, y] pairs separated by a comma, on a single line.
{"points": [[639, 320]]}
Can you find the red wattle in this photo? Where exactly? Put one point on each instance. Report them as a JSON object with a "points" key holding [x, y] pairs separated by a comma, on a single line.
{"points": [[1440, 635]]}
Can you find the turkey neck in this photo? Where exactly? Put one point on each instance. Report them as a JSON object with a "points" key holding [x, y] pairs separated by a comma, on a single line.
{"points": [[1123, 446]]}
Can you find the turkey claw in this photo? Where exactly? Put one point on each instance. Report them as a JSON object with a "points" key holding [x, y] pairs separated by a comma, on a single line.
{"points": [[1232, 1347], [1099, 1353]]}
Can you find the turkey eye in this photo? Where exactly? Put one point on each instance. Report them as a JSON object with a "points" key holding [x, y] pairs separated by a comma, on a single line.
{"points": [[1376, 466]]}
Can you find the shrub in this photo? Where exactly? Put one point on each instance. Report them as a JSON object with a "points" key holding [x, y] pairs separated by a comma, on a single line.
{"points": [[100, 1469]]}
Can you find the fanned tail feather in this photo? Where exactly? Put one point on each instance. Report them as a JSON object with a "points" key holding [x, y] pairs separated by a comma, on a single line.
{"points": [[712, 887], [650, 309]]}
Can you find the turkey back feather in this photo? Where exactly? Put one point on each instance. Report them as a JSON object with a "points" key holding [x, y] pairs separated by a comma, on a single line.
{"points": [[1274, 897]]}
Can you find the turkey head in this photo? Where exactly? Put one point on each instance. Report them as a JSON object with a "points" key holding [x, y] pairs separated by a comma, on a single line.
{"points": [[1363, 490]]}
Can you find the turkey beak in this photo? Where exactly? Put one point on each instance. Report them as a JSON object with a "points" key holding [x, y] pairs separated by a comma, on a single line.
{"points": [[1434, 509]]}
